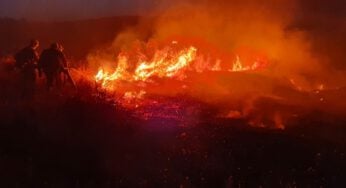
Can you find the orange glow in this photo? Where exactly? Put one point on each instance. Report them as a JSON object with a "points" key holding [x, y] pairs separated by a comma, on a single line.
{"points": [[172, 61]]}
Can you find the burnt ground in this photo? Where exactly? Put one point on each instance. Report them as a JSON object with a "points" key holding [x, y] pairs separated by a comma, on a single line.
{"points": [[83, 140]]}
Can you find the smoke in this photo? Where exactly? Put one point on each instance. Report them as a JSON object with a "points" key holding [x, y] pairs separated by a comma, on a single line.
{"points": [[238, 24], [243, 28], [269, 28]]}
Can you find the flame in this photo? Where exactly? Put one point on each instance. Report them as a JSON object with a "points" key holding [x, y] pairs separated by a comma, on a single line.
{"points": [[141, 69], [106, 78], [239, 67], [217, 66], [183, 60], [169, 62]]}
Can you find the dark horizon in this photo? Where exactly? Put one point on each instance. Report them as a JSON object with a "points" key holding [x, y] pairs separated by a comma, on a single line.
{"points": [[72, 21], [71, 10], [66, 10]]}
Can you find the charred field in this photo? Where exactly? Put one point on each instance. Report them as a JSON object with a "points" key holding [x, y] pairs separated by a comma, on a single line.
{"points": [[82, 138]]}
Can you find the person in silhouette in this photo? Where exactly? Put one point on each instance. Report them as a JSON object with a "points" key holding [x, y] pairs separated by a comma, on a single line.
{"points": [[52, 62], [26, 62]]}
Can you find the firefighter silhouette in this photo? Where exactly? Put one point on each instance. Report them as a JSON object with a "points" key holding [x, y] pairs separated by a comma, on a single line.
{"points": [[26, 63], [52, 62]]}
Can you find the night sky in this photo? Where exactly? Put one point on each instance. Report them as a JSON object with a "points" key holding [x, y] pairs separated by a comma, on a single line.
{"points": [[84, 9], [72, 9]]}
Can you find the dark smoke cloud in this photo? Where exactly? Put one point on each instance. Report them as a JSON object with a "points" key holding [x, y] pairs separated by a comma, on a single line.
{"points": [[323, 22], [325, 25], [303, 37]]}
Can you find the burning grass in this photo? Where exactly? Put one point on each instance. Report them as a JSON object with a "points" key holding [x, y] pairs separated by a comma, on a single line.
{"points": [[241, 102], [94, 137], [181, 113], [163, 75]]}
